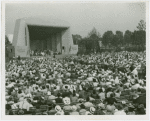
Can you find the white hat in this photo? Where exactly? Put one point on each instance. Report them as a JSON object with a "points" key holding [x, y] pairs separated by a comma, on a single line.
{"points": [[43, 76], [68, 86], [83, 83], [57, 108], [108, 83], [53, 101], [28, 95], [90, 79], [78, 81], [16, 88], [68, 79], [85, 74], [92, 110], [135, 96], [42, 70], [130, 105], [10, 102], [36, 77], [123, 102], [101, 105], [48, 93], [87, 113], [35, 101], [34, 71], [97, 88]]}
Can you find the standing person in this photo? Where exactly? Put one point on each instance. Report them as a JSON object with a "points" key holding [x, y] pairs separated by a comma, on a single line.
{"points": [[54, 55], [18, 58], [63, 50], [25, 105]]}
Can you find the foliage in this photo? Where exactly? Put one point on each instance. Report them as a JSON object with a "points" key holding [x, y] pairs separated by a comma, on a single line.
{"points": [[139, 38], [131, 41], [76, 39], [7, 42], [119, 38], [94, 32], [90, 43], [127, 37], [108, 38], [141, 26]]}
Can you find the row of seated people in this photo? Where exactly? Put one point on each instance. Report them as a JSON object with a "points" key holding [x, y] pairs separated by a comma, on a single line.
{"points": [[89, 106]]}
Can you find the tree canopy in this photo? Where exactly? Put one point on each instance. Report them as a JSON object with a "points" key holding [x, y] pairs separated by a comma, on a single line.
{"points": [[116, 40], [141, 26]]}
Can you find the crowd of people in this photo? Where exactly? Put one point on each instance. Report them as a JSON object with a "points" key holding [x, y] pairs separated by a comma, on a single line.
{"points": [[96, 84]]}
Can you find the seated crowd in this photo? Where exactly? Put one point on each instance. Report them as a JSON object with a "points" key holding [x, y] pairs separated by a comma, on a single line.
{"points": [[95, 84]]}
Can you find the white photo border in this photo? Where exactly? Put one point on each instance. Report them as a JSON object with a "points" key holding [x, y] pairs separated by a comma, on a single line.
{"points": [[60, 117]]}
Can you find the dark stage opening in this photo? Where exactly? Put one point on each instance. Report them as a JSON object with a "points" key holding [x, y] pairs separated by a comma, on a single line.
{"points": [[45, 38]]}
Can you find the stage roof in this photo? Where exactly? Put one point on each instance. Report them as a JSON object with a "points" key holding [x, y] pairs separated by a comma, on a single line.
{"points": [[45, 21]]}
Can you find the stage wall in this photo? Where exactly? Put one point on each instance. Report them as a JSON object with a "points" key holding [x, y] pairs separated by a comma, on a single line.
{"points": [[21, 38]]}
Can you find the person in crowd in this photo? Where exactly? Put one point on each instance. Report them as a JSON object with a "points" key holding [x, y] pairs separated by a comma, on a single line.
{"points": [[58, 99], [74, 110]]}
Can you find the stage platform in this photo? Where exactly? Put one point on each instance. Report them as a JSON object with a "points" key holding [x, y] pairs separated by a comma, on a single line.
{"points": [[64, 55], [56, 56]]}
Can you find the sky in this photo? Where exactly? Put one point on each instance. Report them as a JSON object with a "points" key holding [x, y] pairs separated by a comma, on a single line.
{"points": [[82, 17]]}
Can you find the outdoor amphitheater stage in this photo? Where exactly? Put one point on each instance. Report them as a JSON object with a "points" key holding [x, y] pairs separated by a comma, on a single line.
{"points": [[31, 34]]}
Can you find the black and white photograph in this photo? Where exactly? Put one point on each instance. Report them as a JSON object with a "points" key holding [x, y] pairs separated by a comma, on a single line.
{"points": [[75, 58]]}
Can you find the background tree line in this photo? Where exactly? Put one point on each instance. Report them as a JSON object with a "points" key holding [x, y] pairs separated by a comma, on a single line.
{"points": [[130, 41]]}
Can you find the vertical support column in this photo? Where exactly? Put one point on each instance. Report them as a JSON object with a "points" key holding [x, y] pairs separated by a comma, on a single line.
{"points": [[28, 40]]}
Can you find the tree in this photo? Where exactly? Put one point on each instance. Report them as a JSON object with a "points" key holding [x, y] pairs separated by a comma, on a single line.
{"points": [[114, 41], [93, 40], [139, 38], [94, 31], [107, 38], [141, 25], [119, 38], [76, 39], [127, 37], [7, 42]]}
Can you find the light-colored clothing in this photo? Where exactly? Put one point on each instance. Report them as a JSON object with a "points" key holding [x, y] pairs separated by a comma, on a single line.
{"points": [[108, 94], [74, 113], [51, 97], [88, 104], [67, 108], [120, 112], [14, 106], [102, 95], [117, 94], [24, 105]]}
